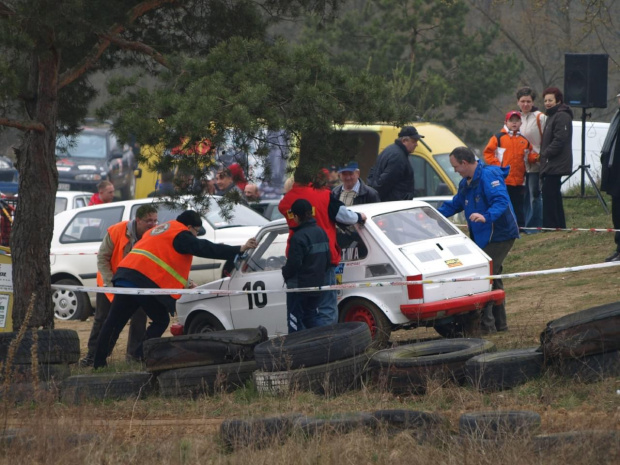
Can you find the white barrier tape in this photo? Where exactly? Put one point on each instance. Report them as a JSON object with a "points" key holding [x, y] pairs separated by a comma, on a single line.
{"points": [[559, 229], [335, 287]]}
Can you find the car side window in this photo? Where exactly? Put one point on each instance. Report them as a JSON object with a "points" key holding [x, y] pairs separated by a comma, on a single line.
{"points": [[270, 254], [91, 225], [350, 242], [80, 202]]}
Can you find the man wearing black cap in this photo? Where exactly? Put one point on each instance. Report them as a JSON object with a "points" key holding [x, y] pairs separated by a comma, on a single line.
{"points": [[392, 175], [610, 176], [161, 259], [309, 257]]}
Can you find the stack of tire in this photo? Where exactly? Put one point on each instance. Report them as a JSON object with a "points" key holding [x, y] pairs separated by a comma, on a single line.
{"points": [[327, 360], [408, 369], [584, 345], [28, 375], [205, 363]]}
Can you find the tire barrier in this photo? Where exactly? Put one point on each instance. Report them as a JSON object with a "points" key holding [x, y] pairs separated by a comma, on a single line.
{"points": [[503, 370], [53, 346], [408, 368], [103, 386], [257, 433], [499, 425], [590, 368], [213, 348]]}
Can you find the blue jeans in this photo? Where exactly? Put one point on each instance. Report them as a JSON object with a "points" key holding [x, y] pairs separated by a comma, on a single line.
{"points": [[533, 202], [328, 303]]}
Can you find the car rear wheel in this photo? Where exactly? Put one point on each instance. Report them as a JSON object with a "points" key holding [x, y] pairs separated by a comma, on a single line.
{"points": [[204, 323], [70, 305], [367, 312]]}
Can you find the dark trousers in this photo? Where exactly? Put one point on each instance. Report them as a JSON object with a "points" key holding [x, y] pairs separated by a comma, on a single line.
{"points": [[494, 316], [615, 217], [553, 208], [137, 327], [302, 310], [122, 309], [517, 198]]}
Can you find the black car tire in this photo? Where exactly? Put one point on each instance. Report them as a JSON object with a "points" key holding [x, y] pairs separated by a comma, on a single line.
{"points": [[205, 380], [365, 311], [204, 323], [499, 424], [504, 370], [70, 305], [256, 433], [591, 368], [212, 348], [408, 368], [337, 424], [80, 388], [588, 332], [396, 420], [599, 440], [314, 346], [53, 346]]}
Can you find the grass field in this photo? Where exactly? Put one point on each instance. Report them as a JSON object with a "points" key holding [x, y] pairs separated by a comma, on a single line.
{"points": [[178, 431]]}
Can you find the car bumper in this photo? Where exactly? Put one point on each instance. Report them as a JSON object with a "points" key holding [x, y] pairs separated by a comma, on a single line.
{"points": [[449, 307]]}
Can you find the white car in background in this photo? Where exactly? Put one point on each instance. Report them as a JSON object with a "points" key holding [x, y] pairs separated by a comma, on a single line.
{"points": [[401, 241], [78, 234], [68, 200]]}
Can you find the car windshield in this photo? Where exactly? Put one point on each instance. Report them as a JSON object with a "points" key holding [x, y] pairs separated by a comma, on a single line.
{"points": [[444, 161], [413, 225], [84, 145], [60, 206]]}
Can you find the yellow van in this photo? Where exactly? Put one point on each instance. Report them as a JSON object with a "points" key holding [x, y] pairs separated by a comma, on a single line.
{"points": [[430, 161]]}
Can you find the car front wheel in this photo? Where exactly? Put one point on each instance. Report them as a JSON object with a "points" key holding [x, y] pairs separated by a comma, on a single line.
{"points": [[70, 305], [204, 323], [369, 313]]}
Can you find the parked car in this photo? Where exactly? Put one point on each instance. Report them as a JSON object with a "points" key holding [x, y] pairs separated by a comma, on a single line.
{"points": [[78, 234], [68, 200], [9, 178], [95, 155], [401, 241], [267, 208]]}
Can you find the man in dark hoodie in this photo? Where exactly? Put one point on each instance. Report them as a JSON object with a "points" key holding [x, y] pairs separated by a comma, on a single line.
{"points": [[556, 156], [309, 257], [610, 176]]}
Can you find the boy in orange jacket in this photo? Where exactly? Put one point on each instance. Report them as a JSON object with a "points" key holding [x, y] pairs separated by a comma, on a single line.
{"points": [[510, 148]]}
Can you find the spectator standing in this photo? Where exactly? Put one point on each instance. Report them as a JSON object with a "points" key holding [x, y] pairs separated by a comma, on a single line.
{"points": [[104, 194], [116, 244], [353, 191], [308, 260], [165, 187], [492, 224], [392, 174], [510, 149], [225, 185], [161, 259], [610, 175], [532, 128], [251, 192], [556, 156], [326, 211], [238, 176]]}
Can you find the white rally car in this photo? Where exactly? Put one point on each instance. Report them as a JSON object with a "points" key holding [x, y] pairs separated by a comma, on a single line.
{"points": [[401, 241]]}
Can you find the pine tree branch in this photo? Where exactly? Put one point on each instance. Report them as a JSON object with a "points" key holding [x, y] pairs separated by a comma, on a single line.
{"points": [[27, 125], [138, 47], [89, 61]]}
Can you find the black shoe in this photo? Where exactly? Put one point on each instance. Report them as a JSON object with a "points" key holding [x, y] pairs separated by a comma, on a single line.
{"points": [[87, 361], [613, 258]]}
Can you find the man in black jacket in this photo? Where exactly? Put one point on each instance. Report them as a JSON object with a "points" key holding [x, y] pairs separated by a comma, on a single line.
{"points": [[610, 176], [353, 191], [309, 257], [392, 175]]}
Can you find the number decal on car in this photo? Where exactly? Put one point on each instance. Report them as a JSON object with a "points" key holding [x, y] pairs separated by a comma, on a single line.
{"points": [[260, 300]]}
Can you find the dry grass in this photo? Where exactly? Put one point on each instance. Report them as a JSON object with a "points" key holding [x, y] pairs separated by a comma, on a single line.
{"points": [[177, 431]]}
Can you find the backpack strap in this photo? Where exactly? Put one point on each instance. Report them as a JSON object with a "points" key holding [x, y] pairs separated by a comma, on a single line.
{"points": [[498, 136]]}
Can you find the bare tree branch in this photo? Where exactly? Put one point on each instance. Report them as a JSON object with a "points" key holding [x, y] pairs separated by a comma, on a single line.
{"points": [[26, 125], [89, 61]]}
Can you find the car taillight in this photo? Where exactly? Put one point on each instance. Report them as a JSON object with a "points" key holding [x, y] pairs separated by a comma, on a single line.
{"points": [[415, 291], [176, 329]]}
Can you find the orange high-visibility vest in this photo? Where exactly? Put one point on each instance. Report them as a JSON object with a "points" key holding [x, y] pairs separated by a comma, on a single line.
{"points": [[155, 257], [118, 235]]}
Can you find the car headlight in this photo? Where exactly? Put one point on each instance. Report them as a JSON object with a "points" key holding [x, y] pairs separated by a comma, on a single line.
{"points": [[88, 177]]}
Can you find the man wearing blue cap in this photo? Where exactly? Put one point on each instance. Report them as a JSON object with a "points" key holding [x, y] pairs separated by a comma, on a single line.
{"points": [[353, 191], [392, 175]]}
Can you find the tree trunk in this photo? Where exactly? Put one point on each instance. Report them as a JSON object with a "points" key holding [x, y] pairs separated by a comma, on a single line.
{"points": [[38, 180]]}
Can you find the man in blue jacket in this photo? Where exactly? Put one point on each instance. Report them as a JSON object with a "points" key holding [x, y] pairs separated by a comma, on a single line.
{"points": [[491, 220]]}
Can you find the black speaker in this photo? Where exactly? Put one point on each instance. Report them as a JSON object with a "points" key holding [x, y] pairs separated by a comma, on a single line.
{"points": [[585, 80]]}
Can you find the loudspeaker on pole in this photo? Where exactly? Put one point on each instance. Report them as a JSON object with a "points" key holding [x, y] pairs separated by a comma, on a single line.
{"points": [[585, 80]]}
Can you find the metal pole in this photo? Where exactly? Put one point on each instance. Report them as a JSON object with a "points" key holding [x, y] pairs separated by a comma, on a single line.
{"points": [[583, 152]]}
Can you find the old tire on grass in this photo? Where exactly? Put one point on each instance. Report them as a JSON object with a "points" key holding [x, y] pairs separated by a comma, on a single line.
{"points": [[499, 424], [503, 370], [423, 424], [53, 346], [45, 372], [600, 439], [328, 379], [588, 332], [408, 368], [212, 348], [257, 433], [590, 368], [338, 424], [103, 386], [205, 380], [365, 311], [311, 347]]}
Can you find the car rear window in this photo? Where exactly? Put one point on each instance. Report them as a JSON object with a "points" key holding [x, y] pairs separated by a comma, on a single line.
{"points": [[91, 225], [413, 225]]}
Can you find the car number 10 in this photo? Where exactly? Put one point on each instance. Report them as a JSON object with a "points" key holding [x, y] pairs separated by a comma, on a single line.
{"points": [[260, 300]]}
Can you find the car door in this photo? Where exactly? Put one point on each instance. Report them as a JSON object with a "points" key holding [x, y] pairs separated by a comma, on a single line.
{"points": [[262, 271]]}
